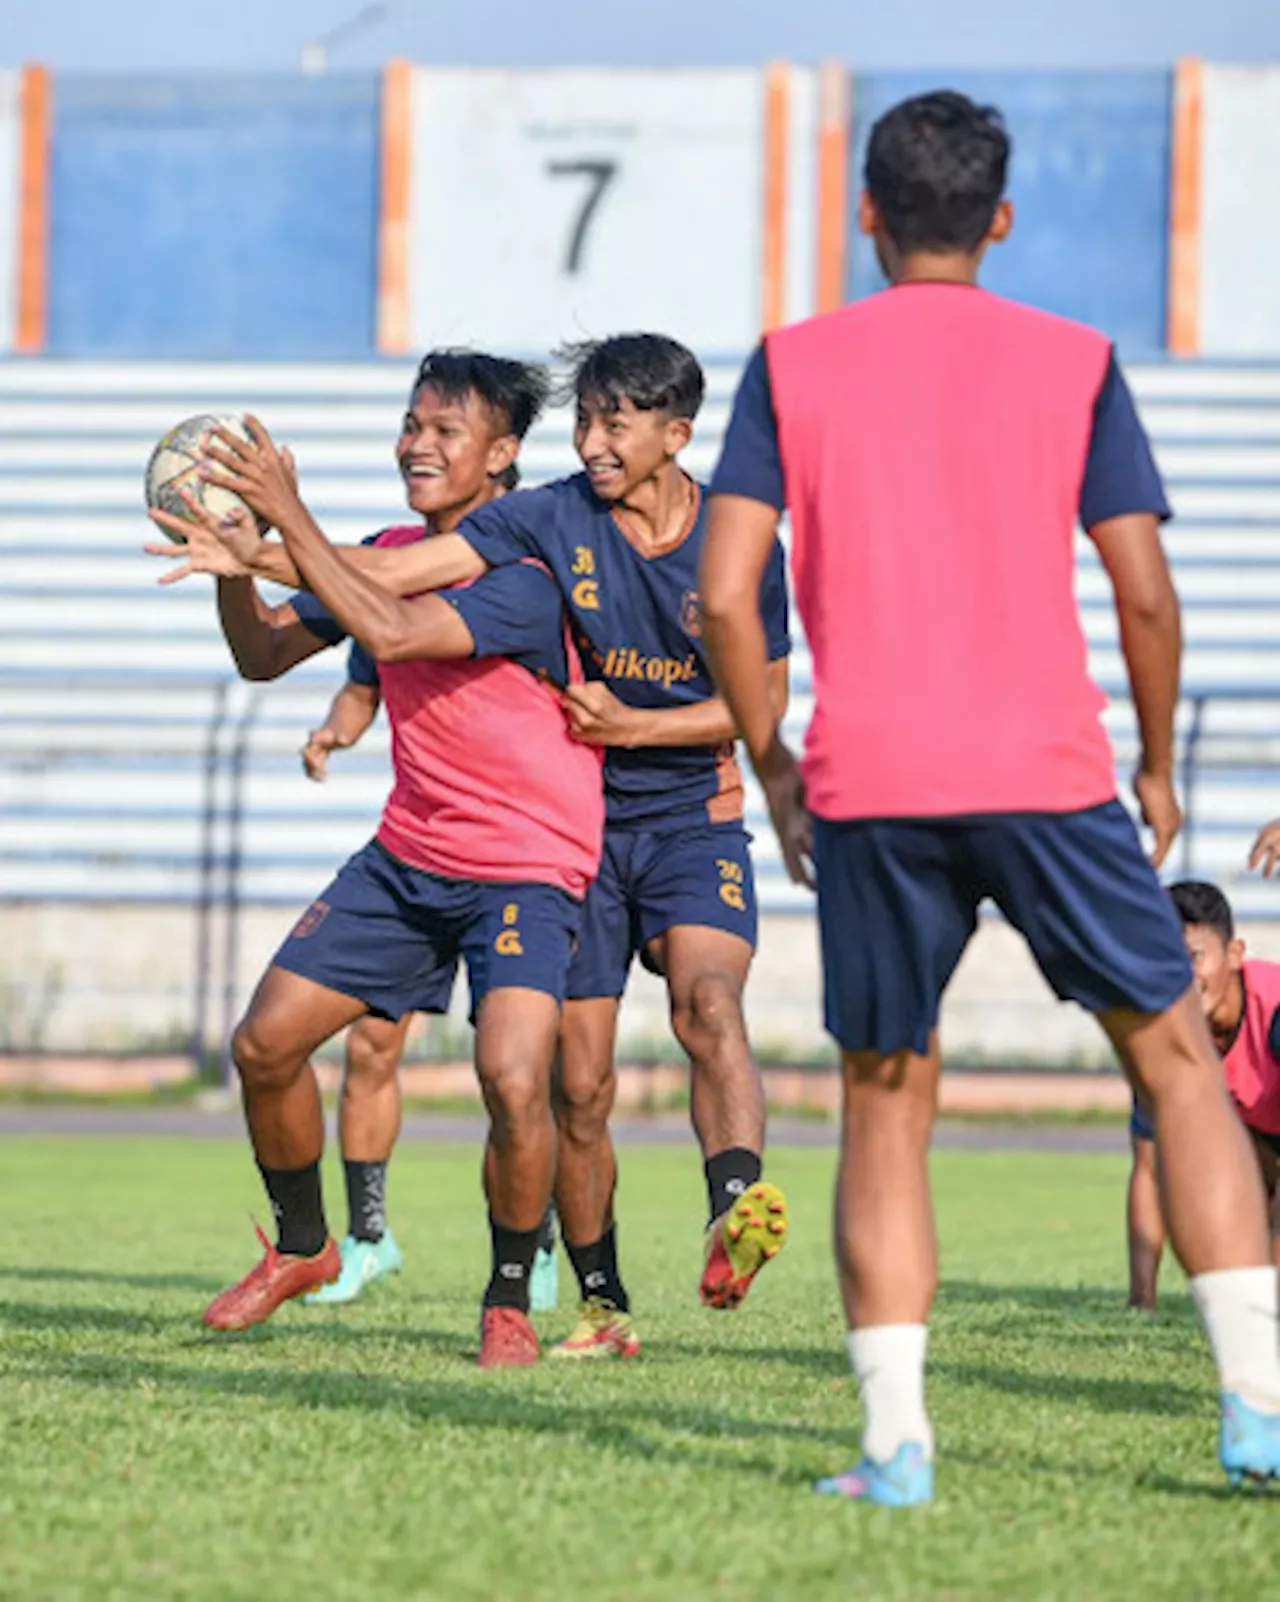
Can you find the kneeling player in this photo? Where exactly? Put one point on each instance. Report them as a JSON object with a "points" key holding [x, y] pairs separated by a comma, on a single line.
{"points": [[488, 842], [1241, 1000]]}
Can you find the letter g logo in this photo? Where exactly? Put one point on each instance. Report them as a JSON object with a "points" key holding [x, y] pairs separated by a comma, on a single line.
{"points": [[508, 944], [586, 596]]}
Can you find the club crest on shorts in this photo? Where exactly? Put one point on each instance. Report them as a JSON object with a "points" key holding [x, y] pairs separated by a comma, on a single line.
{"points": [[691, 614], [732, 884], [311, 920]]}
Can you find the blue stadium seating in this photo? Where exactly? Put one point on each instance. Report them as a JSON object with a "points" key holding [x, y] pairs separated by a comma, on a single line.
{"points": [[128, 750]]}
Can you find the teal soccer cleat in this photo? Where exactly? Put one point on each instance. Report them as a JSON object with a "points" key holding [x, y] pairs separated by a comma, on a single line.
{"points": [[363, 1261], [906, 1480], [1249, 1448]]}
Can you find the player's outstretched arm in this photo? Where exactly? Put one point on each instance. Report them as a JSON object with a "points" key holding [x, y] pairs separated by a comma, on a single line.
{"points": [[1151, 640], [1265, 853], [350, 715], [266, 641]]}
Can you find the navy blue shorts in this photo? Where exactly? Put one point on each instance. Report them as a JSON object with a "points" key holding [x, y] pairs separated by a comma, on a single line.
{"points": [[898, 902], [652, 880], [391, 936]]}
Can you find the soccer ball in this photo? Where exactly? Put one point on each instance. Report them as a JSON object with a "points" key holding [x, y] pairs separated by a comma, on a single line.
{"points": [[174, 467]]}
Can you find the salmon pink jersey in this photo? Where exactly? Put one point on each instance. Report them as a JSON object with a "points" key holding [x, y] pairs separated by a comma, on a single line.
{"points": [[1252, 1064], [488, 784], [936, 447]]}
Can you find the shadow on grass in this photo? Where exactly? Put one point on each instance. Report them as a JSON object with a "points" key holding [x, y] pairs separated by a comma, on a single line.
{"points": [[621, 1426], [91, 1276]]}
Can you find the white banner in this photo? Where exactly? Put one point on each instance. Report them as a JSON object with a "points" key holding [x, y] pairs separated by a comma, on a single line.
{"points": [[560, 205], [10, 163], [1240, 212]]}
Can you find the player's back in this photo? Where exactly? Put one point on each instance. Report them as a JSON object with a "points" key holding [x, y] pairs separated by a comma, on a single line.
{"points": [[934, 440]]}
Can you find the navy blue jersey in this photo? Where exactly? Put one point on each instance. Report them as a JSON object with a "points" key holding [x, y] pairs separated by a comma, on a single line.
{"points": [[513, 612], [636, 621]]}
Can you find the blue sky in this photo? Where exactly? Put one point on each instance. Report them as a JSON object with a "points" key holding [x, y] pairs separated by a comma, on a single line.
{"points": [[120, 36]]}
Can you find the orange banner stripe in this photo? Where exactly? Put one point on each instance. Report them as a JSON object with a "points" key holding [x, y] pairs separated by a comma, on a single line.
{"points": [[834, 107], [393, 224], [1186, 208], [32, 311], [777, 112]]}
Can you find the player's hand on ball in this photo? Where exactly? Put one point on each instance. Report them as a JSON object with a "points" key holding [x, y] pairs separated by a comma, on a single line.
{"points": [[1266, 849], [263, 476], [1160, 810], [779, 776], [223, 546], [315, 754], [596, 716]]}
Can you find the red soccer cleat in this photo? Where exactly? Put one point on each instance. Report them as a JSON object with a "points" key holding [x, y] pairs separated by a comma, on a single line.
{"points": [[277, 1278], [740, 1242], [507, 1339]]}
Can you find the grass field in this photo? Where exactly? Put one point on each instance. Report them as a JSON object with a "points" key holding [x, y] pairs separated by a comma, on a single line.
{"points": [[359, 1453]]}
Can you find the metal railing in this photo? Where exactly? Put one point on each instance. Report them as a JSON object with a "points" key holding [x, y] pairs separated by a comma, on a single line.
{"points": [[44, 737]]}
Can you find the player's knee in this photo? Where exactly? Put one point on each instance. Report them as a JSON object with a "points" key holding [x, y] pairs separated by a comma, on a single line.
{"points": [[707, 1013], [584, 1094], [371, 1066], [514, 1092], [260, 1056]]}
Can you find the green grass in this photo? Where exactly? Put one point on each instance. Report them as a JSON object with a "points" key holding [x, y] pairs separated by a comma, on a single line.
{"points": [[359, 1453]]}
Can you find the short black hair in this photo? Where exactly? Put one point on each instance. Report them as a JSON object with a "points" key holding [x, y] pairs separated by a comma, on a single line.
{"points": [[936, 168], [653, 372], [1198, 902], [514, 391]]}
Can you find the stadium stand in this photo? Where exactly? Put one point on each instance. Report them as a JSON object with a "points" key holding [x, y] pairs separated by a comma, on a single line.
{"points": [[134, 766]]}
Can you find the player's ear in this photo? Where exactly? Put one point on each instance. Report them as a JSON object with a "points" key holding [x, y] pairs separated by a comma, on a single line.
{"points": [[676, 435], [502, 452], [1235, 955], [1001, 223], [868, 215]]}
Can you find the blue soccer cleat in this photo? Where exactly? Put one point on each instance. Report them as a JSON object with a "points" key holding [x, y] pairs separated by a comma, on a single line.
{"points": [[1249, 1448], [906, 1480], [363, 1261]]}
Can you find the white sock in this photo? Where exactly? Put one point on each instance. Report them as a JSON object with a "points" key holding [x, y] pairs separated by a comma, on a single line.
{"points": [[889, 1362], [1240, 1308]]}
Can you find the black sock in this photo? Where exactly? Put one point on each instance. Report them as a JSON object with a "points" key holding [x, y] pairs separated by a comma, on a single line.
{"points": [[597, 1269], [729, 1173], [547, 1231], [366, 1199], [298, 1206], [513, 1253]]}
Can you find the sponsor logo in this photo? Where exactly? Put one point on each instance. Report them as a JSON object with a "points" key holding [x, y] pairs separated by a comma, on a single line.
{"points": [[586, 595], [625, 662], [508, 943], [732, 884], [691, 614], [311, 920]]}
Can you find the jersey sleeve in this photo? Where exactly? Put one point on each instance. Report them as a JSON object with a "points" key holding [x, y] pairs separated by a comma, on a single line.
{"points": [[361, 668], [773, 604], [750, 458], [1120, 474], [511, 528], [1273, 1035], [317, 617], [516, 612]]}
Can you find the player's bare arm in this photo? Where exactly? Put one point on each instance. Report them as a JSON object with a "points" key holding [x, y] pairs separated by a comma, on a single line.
{"points": [[389, 628], [350, 715], [1265, 853], [598, 717], [1151, 639], [265, 641], [740, 538], [402, 570]]}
